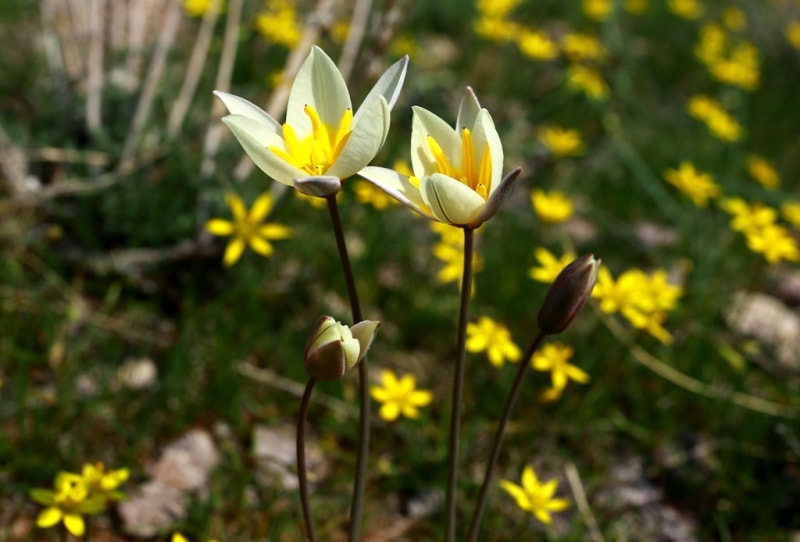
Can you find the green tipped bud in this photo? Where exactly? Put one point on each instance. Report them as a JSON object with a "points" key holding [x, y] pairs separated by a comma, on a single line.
{"points": [[568, 294], [333, 348]]}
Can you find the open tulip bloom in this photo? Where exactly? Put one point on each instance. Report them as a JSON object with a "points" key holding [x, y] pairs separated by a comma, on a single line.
{"points": [[457, 172], [321, 137]]}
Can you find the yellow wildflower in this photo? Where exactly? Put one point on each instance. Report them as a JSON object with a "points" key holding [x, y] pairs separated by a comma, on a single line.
{"points": [[635, 7], [581, 47], [247, 228], [534, 496], [279, 23], [536, 45], [552, 207], [369, 193], [762, 171], [549, 266], [105, 483], [697, 186], [713, 42], [688, 9], [561, 141], [496, 8], [734, 18], [791, 212], [774, 242], [748, 216], [554, 357], [792, 33], [598, 10], [453, 258], [67, 503], [497, 29], [588, 81], [719, 122], [198, 8], [399, 397], [494, 338]]}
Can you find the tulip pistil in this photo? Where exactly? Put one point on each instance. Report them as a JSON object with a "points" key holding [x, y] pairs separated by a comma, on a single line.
{"points": [[316, 152]]}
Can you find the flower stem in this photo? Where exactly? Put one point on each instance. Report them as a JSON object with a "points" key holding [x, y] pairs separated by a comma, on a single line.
{"points": [[357, 504], [302, 475], [498, 438], [458, 389]]}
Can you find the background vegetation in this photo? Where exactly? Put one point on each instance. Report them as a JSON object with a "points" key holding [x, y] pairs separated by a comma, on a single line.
{"points": [[110, 170]]}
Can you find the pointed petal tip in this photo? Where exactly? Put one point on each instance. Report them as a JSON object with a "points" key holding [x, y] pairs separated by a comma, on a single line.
{"points": [[500, 195]]}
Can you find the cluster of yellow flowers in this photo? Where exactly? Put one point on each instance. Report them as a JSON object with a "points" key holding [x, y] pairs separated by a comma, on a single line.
{"points": [[688, 9], [764, 235], [495, 23], [644, 299], [720, 123], [697, 186], [730, 59], [76, 495], [450, 251]]}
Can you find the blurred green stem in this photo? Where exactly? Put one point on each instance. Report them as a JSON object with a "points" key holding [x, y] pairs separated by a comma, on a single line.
{"points": [[458, 388], [357, 504], [302, 475], [498, 438]]}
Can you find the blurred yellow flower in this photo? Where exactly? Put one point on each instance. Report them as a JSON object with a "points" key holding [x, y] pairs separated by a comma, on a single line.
{"points": [[734, 18], [718, 121], [561, 141], [791, 212], [497, 29], [636, 7], [748, 216], [67, 503], [774, 242], [598, 10], [535, 497], [549, 266], [279, 23], [581, 47], [642, 299], [105, 483], [452, 255], [536, 45], [493, 338], [198, 8], [588, 81], [554, 357], [339, 31], [762, 171], [712, 44], [551, 207], [369, 193], [178, 537], [399, 397], [688, 9], [792, 33], [697, 186], [247, 228], [404, 44]]}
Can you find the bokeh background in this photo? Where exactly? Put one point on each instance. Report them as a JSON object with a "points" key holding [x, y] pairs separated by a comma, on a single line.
{"points": [[670, 125]]}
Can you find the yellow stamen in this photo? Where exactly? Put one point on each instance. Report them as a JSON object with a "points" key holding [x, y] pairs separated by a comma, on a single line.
{"points": [[480, 178], [467, 158], [441, 159], [484, 181]]}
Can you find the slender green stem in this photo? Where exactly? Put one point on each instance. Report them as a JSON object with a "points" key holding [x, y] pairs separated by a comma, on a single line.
{"points": [[458, 389], [357, 504], [302, 474], [474, 525]]}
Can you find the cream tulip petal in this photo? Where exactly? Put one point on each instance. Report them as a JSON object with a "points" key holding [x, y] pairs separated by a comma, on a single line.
{"points": [[485, 132], [254, 139], [389, 84], [398, 186], [364, 332], [320, 85], [496, 199], [365, 140], [240, 106], [451, 201], [467, 110], [423, 124]]}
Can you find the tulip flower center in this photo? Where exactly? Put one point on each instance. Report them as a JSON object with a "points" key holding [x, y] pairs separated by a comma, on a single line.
{"points": [[316, 152], [475, 173]]}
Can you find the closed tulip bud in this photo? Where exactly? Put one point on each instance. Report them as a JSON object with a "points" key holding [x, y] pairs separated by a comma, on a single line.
{"points": [[333, 348], [568, 294]]}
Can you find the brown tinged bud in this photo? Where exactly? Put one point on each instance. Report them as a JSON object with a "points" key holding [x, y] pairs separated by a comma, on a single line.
{"points": [[320, 187], [568, 294], [333, 348]]}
